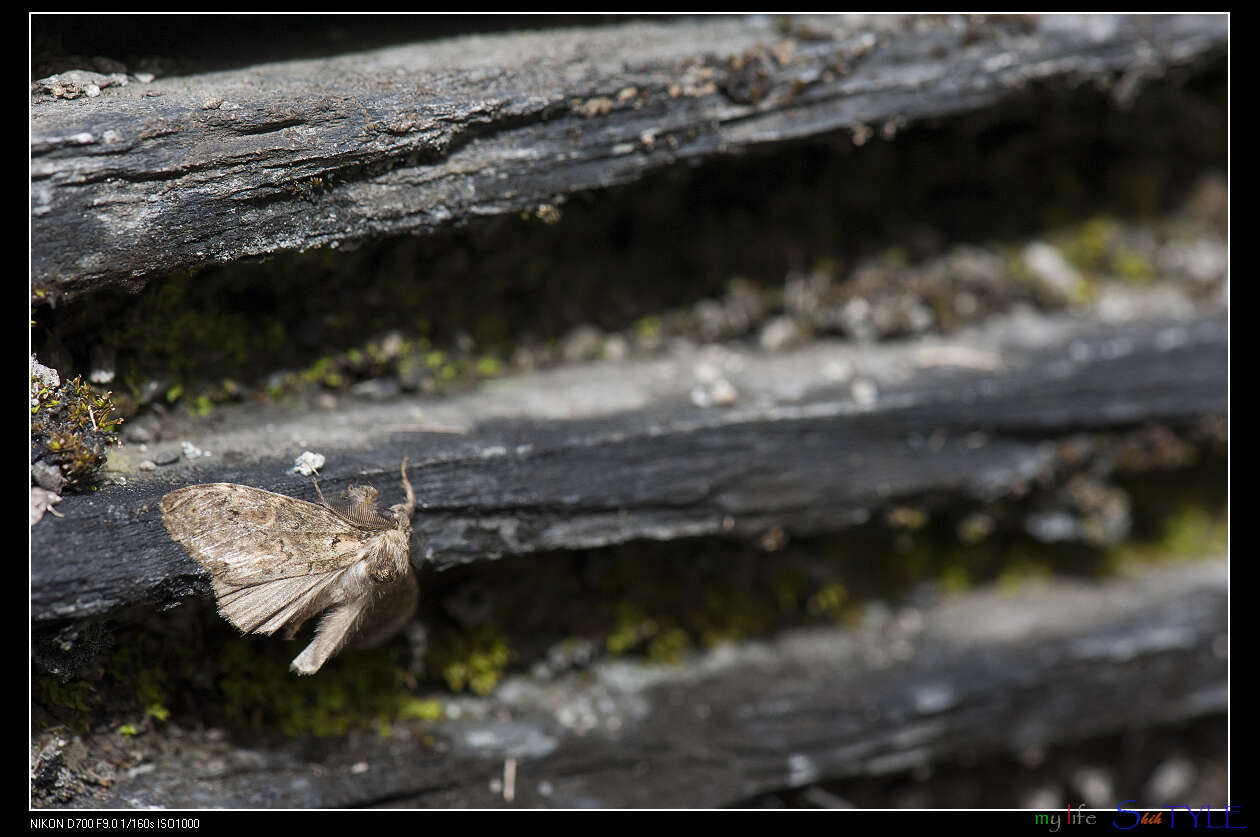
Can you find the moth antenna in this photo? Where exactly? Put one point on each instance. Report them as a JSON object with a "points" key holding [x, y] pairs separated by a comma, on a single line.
{"points": [[320, 493], [411, 494]]}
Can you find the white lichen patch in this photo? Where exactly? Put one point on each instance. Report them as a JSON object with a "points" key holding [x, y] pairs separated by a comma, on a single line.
{"points": [[308, 463]]}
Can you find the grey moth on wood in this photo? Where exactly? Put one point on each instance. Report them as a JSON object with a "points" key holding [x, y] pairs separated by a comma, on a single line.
{"points": [[276, 561]]}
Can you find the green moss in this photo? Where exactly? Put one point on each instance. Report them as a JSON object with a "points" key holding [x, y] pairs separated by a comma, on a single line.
{"points": [[631, 628], [71, 428], [201, 406], [135, 667], [133, 683], [488, 366], [1023, 565], [1086, 245], [788, 586], [829, 601], [470, 660], [354, 690], [648, 329], [1191, 532], [729, 614], [416, 709], [71, 702], [1195, 531], [1132, 265], [669, 646], [955, 580]]}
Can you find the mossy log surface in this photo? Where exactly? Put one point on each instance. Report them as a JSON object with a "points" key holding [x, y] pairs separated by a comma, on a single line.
{"points": [[148, 178], [976, 675], [816, 440]]}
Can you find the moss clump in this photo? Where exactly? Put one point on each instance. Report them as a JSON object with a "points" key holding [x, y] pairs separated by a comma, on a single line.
{"points": [[632, 627], [470, 660], [134, 683], [71, 426], [147, 680], [357, 689], [729, 614], [1087, 244], [1132, 265], [419, 709], [69, 702], [489, 366], [669, 646], [1023, 566], [829, 601], [1189, 533]]}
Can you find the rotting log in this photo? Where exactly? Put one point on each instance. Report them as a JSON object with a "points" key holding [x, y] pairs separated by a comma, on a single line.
{"points": [[148, 178], [816, 440], [974, 675]]}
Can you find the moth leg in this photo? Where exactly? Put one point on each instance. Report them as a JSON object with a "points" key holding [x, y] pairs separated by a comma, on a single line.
{"points": [[393, 608], [335, 628]]}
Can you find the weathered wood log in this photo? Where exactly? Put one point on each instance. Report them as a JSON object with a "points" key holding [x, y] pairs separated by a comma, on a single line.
{"points": [[148, 178], [983, 673], [816, 440]]}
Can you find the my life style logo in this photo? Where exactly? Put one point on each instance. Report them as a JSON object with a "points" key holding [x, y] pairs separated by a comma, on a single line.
{"points": [[1126, 819], [1179, 816]]}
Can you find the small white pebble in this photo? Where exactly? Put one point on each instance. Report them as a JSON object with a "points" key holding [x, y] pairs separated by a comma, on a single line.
{"points": [[722, 393], [864, 392]]}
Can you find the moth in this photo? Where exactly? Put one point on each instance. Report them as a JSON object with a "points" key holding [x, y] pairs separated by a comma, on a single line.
{"points": [[276, 561]]}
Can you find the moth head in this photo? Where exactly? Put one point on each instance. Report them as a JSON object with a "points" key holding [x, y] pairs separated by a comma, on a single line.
{"points": [[402, 515]]}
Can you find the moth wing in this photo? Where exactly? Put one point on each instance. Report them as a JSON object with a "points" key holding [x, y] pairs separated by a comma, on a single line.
{"points": [[267, 607], [246, 536]]}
